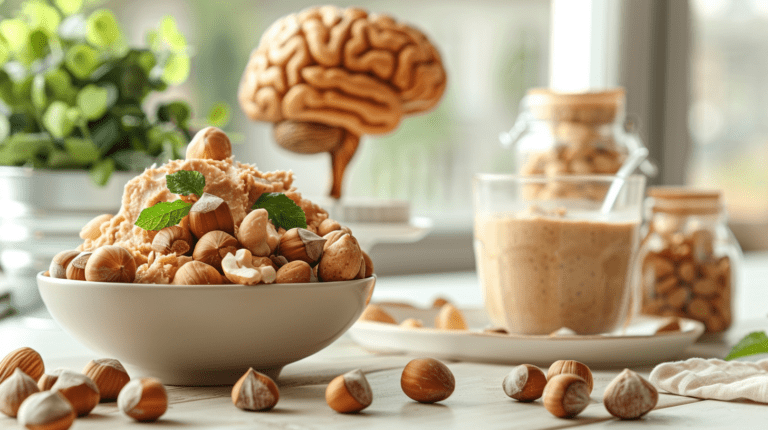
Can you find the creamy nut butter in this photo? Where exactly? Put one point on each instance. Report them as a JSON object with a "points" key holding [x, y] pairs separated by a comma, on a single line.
{"points": [[542, 272]]}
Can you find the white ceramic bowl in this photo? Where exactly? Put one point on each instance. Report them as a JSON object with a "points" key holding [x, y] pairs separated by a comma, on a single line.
{"points": [[206, 334]]}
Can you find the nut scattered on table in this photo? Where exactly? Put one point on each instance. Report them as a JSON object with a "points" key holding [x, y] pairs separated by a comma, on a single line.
{"points": [[255, 391], [210, 213], [58, 267], [110, 263], [349, 392], [579, 369], [143, 399], [109, 375], [427, 380], [411, 323], [79, 390], [376, 313], [14, 390], [629, 396], [48, 379], [566, 395], [47, 410], [450, 318], [26, 359], [524, 383], [210, 143]]}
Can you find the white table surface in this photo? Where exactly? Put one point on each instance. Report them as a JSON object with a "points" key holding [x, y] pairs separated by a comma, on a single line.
{"points": [[478, 401]]}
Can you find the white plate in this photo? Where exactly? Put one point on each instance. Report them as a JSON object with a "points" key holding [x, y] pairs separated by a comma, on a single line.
{"points": [[630, 348]]}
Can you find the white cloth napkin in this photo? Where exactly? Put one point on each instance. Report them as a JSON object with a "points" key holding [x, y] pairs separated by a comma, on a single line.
{"points": [[714, 379]]}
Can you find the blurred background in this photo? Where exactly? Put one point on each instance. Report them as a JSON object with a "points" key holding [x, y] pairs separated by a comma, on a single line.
{"points": [[694, 71]]}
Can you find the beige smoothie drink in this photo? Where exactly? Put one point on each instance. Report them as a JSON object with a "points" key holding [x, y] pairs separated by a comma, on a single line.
{"points": [[542, 272]]}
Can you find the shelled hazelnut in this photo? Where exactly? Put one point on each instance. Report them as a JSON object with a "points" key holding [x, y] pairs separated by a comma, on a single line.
{"points": [[255, 391], [573, 367], [524, 383], [143, 399], [26, 359], [109, 375], [58, 267], [210, 213], [349, 392], [213, 247], [427, 380]]}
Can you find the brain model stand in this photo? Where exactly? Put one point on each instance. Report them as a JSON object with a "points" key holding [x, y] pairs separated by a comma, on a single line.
{"points": [[326, 76]]}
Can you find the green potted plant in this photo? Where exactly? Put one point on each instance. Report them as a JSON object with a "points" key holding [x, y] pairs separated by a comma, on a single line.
{"points": [[72, 116]]}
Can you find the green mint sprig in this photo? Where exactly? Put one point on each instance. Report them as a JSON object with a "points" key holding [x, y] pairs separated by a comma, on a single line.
{"points": [[283, 212], [753, 343], [167, 214]]}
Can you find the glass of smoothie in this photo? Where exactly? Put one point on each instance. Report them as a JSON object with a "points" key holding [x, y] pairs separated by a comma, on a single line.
{"points": [[551, 262]]}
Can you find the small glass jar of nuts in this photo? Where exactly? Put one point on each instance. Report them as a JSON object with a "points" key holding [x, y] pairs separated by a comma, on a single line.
{"points": [[688, 260], [571, 134]]}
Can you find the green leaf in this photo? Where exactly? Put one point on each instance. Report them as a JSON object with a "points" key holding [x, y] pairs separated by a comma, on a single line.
{"points": [[5, 127], [81, 60], [93, 101], [132, 160], [171, 35], [283, 212], [186, 182], [59, 159], [4, 53], [15, 32], [178, 113], [69, 7], [147, 61], [24, 147], [219, 115], [59, 84], [105, 133], [81, 150], [102, 29], [39, 96], [176, 69], [40, 15], [38, 44], [57, 120], [751, 344], [163, 214], [102, 171]]}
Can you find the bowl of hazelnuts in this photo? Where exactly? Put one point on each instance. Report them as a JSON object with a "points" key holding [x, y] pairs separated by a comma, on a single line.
{"points": [[210, 267]]}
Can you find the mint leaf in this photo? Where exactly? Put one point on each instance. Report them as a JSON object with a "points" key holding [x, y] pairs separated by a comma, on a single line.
{"points": [[186, 182], [283, 212], [753, 343], [163, 214]]}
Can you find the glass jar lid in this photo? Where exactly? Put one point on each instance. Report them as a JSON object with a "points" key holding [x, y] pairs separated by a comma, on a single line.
{"points": [[685, 201], [601, 107]]}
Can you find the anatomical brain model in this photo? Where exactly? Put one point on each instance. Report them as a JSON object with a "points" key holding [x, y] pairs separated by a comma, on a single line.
{"points": [[326, 76]]}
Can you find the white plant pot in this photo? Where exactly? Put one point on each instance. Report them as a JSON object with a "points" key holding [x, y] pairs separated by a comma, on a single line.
{"points": [[41, 214]]}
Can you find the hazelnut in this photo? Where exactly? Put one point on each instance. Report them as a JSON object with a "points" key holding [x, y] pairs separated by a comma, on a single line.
{"points": [[376, 313], [109, 375], [14, 390], [670, 324], [210, 213], [26, 359], [566, 395], [255, 391], [110, 263], [92, 230], [47, 410], [524, 383], [411, 323], [48, 379], [368, 265], [439, 303], [210, 143], [349, 392], [76, 267], [58, 267], [294, 272], [328, 225], [450, 318], [257, 234], [301, 244], [560, 367], [197, 273], [239, 269], [341, 257], [213, 247], [172, 240], [629, 396], [427, 380], [79, 390], [143, 399], [361, 272]]}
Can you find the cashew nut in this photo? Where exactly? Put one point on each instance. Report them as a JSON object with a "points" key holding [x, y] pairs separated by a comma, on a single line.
{"points": [[257, 234], [239, 269]]}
